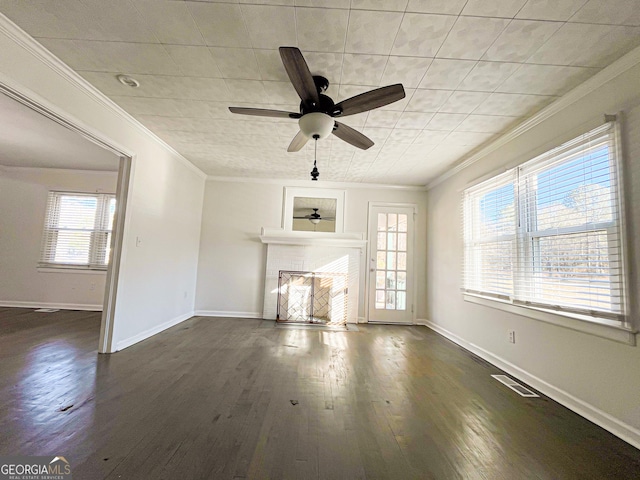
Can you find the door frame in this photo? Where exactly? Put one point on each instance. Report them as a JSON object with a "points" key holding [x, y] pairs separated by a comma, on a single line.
{"points": [[368, 276], [125, 168]]}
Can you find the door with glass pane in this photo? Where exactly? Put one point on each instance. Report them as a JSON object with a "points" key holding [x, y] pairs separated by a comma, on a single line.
{"points": [[391, 264]]}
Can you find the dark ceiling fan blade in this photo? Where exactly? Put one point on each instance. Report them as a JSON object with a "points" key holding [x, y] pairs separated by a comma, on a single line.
{"points": [[263, 112], [299, 74], [299, 141], [352, 136], [369, 100]]}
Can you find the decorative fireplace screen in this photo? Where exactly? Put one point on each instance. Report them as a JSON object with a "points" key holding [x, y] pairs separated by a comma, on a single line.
{"points": [[312, 297]]}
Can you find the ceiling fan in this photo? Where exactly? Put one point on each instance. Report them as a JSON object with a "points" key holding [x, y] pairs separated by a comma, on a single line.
{"points": [[315, 217], [317, 111]]}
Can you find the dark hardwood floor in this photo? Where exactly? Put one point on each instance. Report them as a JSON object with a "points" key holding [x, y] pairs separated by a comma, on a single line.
{"points": [[227, 398]]}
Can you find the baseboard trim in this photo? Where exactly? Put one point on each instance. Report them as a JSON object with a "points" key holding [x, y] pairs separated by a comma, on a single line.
{"points": [[227, 314], [613, 425], [61, 306], [122, 344]]}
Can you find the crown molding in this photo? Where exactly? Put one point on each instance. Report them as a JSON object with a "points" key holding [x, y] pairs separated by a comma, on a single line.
{"points": [[15, 168], [609, 73], [291, 182], [29, 44]]}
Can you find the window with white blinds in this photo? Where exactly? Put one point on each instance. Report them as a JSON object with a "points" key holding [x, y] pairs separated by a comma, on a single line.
{"points": [[548, 233], [490, 234], [77, 230]]}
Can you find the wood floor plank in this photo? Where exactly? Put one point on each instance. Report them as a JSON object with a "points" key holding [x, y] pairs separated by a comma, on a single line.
{"points": [[240, 399]]}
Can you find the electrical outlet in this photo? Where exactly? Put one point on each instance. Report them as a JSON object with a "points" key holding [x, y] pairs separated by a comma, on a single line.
{"points": [[184, 295], [512, 336], [138, 242], [92, 286]]}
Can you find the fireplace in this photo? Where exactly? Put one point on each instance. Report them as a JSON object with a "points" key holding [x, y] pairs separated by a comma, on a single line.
{"points": [[329, 263], [310, 297]]}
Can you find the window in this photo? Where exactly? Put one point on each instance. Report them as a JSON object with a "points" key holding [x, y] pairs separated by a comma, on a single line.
{"points": [[548, 233], [77, 230]]}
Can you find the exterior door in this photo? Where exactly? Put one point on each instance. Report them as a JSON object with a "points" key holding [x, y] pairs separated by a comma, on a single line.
{"points": [[391, 230]]}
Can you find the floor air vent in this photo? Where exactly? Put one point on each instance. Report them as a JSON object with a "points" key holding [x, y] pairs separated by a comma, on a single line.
{"points": [[515, 386]]}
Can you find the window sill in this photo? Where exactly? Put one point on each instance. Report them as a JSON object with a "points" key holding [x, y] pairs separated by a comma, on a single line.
{"points": [[83, 271], [581, 323]]}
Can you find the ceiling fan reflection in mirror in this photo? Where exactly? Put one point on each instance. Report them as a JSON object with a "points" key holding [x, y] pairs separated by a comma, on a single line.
{"points": [[315, 217], [317, 110]]}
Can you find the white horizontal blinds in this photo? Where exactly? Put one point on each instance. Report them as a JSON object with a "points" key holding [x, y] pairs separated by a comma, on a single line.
{"points": [[570, 255], [77, 230], [489, 236]]}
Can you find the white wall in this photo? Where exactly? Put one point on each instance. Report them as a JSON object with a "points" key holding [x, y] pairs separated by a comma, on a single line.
{"points": [[596, 376], [23, 201], [165, 197], [231, 269]]}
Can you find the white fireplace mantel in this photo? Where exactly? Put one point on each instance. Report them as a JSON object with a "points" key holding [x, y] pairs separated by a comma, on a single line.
{"points": [[320, 239], [312, 252]]}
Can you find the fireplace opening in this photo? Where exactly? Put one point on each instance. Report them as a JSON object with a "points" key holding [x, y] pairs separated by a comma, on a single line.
{"points": [[312, 297]]}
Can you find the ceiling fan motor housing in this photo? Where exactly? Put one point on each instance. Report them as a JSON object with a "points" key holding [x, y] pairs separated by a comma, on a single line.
{"points": [[325, 105], [315, 216]]}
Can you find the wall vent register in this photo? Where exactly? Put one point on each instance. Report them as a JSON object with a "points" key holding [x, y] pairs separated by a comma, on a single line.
{"points": [[515, 386]]}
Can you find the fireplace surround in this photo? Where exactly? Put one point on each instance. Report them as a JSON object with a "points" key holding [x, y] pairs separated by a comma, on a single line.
{"points": [[314, 252]]}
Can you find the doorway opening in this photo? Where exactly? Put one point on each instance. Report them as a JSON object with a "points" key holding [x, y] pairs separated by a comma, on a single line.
{"points": [[56, 163]]}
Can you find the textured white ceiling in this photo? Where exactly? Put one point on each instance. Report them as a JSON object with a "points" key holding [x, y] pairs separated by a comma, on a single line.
{"points": [[305, 205], [471, 69], [28, 139]]}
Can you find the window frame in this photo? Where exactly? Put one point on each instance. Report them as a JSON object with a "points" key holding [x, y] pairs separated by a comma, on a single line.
{"points": [[528, 235], [100, 237], [497, 182]]}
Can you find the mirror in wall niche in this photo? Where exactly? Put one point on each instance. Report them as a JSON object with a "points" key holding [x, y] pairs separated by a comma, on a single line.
{"points": [[314, 214], [313, 210]]}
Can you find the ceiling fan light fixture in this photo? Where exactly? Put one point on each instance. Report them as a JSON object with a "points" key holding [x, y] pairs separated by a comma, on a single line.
{"points": [[316, 125], [315, 221]]}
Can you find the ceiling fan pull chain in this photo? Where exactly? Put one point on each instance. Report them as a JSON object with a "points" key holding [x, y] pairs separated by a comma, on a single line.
{"points": [[315, 173]]}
